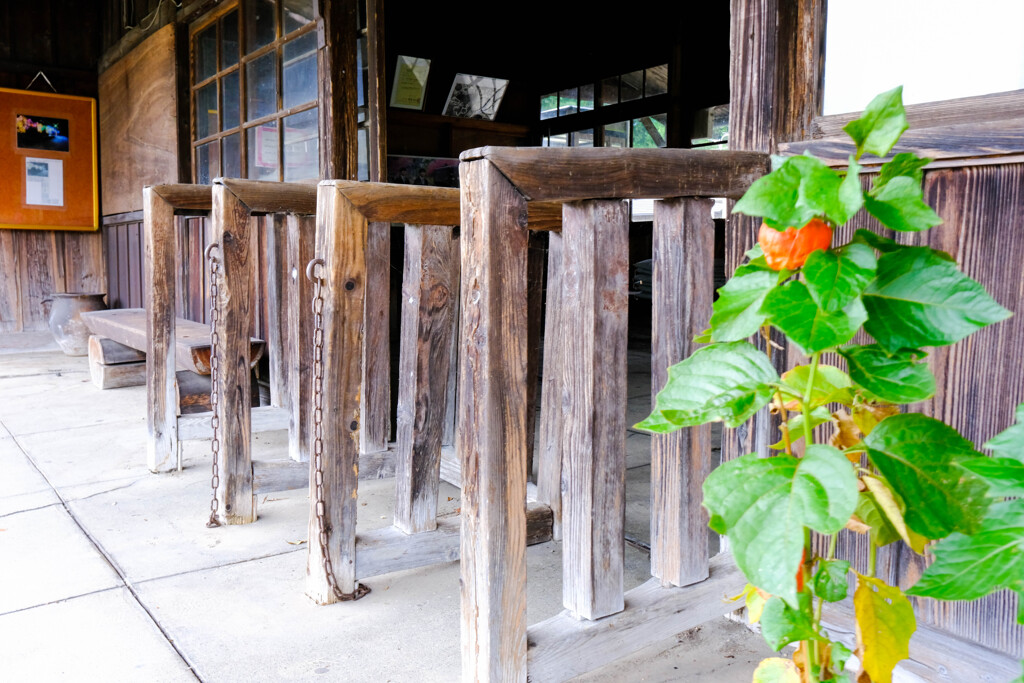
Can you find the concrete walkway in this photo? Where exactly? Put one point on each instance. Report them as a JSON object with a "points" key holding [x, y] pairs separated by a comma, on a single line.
{"points": [[108, 572]]}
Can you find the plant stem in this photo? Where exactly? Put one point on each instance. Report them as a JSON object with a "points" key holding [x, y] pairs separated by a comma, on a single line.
{"points": [[808, 433], [872, 559]]}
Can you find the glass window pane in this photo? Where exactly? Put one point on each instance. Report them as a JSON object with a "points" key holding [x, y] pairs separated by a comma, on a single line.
{"points": [[231, 152], [582, 138], [632, 87], [362, 71], [262, 154], [560, 140], [205, 47], [230, 104], [260, 24], [207, 162], [981, 51], [261, 86], [549, 106], [710, 125], [296, 14], [656, 82], [649, 131], [616, 134], [363, 140], [229, 39], [206, 111], [299, 73], [568, 102], [587, 97], [610, 91], [301, 146]]}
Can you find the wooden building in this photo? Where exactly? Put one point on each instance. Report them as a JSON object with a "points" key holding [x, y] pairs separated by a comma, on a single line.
{"points": [[301, 90]]}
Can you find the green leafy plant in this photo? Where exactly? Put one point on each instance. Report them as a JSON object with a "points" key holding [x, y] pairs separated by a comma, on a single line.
{"points": [[891, 475]]}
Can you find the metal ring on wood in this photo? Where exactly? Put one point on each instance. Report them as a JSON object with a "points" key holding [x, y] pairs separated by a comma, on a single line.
{"points": [[209, 249], [311, 266]]}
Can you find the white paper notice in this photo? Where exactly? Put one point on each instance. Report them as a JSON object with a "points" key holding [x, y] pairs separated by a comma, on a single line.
{"points": [[44, 181]]}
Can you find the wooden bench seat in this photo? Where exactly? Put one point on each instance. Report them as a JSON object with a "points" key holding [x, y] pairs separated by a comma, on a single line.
{"points": [[127, 326]]}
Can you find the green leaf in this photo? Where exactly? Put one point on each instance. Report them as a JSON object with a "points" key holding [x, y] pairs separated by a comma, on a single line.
{"points": [[899, 204], [703, 338], [763, 504], [969, 567], [1010, 442], [876, 241], [831, 385], [830, 580], [896, 377], [836, 278], [851, 197], [792, 309], [918, 299], [1004, 476], [880, 125], [721, 382], [795, 425], [802, 188], [885, 622], [737, 310], [919, 456], [903, 164], [782, 625], [870, 512], [840, 655], [776, 670]]}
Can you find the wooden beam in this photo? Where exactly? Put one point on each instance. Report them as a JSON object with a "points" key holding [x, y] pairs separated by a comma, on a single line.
{"points": [[562, 647], [683, 287], [549, 466], [263, 197], [410, 204], [569, 174], [184, 197], [492, 426], [426, 343], [596, 281]]}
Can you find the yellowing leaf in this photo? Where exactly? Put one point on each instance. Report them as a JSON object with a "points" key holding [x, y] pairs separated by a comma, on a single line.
{"points": [[856, 525], [756, 600], [776, 670], [847, 434], [885, 622], [886, 501], [867, 415]]}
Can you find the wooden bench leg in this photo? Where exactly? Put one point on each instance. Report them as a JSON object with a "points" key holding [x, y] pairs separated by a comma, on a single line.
{"points": [[683, 285], [594, 331], [549, 466], [492, 426], [427, 307]]}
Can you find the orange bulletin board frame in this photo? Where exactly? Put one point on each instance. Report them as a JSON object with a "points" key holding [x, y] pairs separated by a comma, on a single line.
{"points": [[48, 162]]}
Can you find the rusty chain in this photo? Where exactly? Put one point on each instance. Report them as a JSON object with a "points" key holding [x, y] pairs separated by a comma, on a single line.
{"points": [[318, 435], [214, 377]]}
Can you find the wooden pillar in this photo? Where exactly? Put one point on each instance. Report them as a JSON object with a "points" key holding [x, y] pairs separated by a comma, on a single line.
{"points": [[232, 225], [549, 466], [448, 435], [596, 281], [300, 232], [279, 291], [684, 237], [491, 431], [336, 66], [376, 91], [427, 305], [341, 234], [161, 392], [375, 432]]}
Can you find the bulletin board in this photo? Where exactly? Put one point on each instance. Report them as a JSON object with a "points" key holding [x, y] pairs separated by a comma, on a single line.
{"points": [[48, 161]]}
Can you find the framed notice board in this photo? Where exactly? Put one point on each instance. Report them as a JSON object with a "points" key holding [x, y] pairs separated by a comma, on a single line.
{"points": [[48, 161]]}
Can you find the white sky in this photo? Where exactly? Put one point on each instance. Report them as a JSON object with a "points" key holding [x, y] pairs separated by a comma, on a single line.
{"points": [[937, 49]]}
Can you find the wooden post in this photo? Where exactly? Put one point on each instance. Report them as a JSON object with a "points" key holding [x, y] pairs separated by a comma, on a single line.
{"points": [[683, 287], [492, 426], [450, 401], [279, 290], [161, 393], [299, 330], [549, 466], [232, 223], [534, 316], [375, 431], [427, 304], [341, 234], [596, 280]]}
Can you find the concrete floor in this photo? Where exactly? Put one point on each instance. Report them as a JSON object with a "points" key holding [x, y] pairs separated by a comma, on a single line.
{"points": [[108, 572]]}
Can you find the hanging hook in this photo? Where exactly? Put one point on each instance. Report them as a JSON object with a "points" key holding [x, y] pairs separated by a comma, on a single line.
{"points": [[40, 73], [311, 268], [207, 253]]}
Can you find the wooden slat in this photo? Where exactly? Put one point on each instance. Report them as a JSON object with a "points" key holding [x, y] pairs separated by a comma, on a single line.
{"points": [[262, 197], [341, 236], [231, 230], [193, 392], [492, 426], [376, 91], [279, 287], [451, 399], [567, 174], [37, 275], [414, 204], [299, 335], [195, 199], [549, 466], [10, 284], [375, 354], [135, 257], [262, 419], [683, 286], [426, 341], [596, 281], [544, 216], [83, 262], [109, 352], [563, 647], [117, 376]]}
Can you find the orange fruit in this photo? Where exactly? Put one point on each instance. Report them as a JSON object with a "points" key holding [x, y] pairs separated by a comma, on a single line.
{"points": [[790, 248]]}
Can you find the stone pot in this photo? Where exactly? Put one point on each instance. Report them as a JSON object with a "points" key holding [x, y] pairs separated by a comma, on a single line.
{"points": [[63, 312]]}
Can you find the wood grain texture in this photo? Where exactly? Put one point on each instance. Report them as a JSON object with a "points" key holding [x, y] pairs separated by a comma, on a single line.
{"points": [[683, 288], [117, 376], [263, 197], [376, 91], [567, 174], [375, 430], [109, 352], [414, 204], [232, 224], [535, 267], [301, 236], [185, 199], [549, 455], [38, 274], [279, 281], [562, 647], [596, 281], [426, 340], [491, 431], [341, 240], [336, 61], [194, 392], [451, 399], [10, 285]]}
